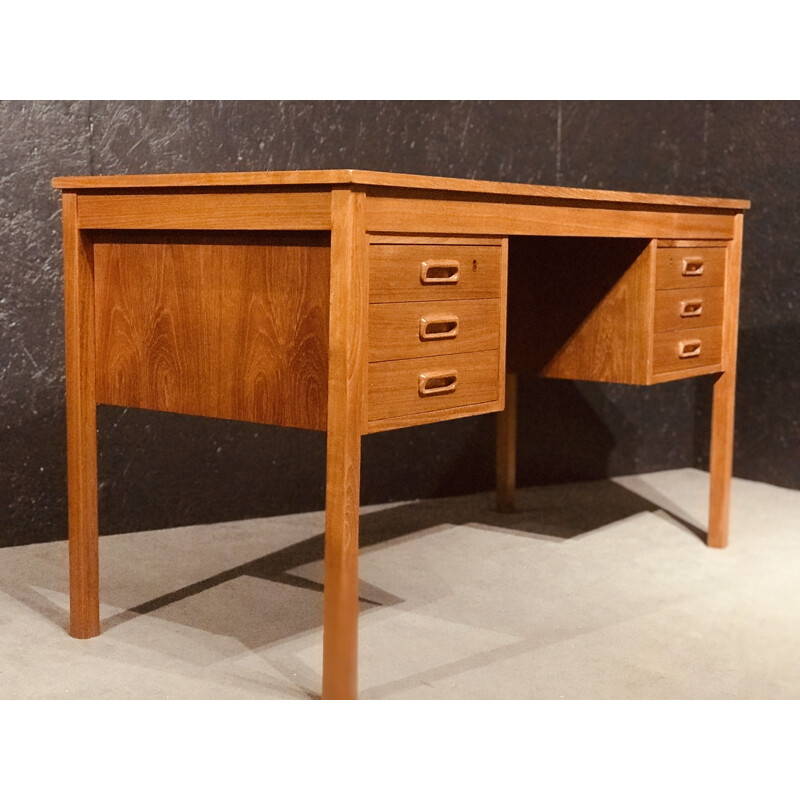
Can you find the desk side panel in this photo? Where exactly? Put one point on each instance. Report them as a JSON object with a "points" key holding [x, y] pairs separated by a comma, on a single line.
{"points": [[221, 325]]}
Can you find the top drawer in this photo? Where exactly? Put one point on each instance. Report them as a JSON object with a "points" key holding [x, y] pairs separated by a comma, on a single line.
{"points": [[687, 267], [429, 271]]}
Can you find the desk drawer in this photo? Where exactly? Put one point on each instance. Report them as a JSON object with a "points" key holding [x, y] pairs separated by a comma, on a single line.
{"points": [[415, 330], [682, 309], [400, 272], [674, 351], [419, 385], [690, 267]]}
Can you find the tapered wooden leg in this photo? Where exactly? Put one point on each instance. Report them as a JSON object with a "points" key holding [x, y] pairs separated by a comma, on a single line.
{"points": [[721, 456], [346, 386], [340, 624], [721, 459], [84, 600], [506, 451]]}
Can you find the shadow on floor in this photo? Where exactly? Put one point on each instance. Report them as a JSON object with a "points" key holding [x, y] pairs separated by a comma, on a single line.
{"points": [[278, 596], [559, 512]]}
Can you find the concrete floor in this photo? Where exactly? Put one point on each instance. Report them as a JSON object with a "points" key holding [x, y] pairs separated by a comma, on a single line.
{"points": [[590, 590]]}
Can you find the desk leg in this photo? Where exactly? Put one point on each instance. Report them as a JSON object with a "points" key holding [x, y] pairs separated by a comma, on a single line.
{"points": [[721, 456], [721, 459], [346, 386], [340, 622], [506, 451], [84, 600]]}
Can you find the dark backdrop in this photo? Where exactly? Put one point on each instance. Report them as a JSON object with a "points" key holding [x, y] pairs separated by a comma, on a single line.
{"points": [[159, 470]]}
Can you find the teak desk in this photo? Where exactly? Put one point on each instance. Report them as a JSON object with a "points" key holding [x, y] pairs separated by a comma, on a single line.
{"points": [[354, 302]]}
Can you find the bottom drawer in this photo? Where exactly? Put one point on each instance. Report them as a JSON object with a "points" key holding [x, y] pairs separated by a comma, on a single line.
{"points": [[417, 385], [683, 350]]}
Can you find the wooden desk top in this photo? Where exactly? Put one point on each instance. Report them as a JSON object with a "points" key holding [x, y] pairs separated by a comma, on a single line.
{"points": [[386, 180]]}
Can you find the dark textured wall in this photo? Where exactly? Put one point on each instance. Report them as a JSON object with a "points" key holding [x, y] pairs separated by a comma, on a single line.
{"points": [[159, 470]]}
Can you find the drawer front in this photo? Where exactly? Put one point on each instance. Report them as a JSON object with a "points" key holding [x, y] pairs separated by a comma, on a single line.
{"points": [[414, 386], [690, 267], [416, 330], [683, 309], [683, 350], [433, 272]]}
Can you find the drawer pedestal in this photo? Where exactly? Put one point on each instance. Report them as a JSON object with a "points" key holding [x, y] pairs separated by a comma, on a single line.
{"points": [[436, 330]]}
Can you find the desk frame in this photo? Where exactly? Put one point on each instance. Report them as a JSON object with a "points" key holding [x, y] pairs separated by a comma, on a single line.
{"points": [[352, 205]]}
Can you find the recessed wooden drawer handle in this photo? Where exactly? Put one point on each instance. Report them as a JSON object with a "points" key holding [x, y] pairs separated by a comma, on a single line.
{"points": [[437, 383], [689, 349], [692, 266], [439, 270], [691, 308], [438, 326]]}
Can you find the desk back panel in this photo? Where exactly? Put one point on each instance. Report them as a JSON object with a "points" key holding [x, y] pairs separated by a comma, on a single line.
{"points": [[214, 324]]}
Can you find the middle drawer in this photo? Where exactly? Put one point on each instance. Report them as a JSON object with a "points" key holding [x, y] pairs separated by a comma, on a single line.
{"points": [[679, 309], [414, 330]]}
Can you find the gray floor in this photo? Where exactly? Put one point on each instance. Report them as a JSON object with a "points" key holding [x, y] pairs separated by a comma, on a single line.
{"points": [[591, 590]]}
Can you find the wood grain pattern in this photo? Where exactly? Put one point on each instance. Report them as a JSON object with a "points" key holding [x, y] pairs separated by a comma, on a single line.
{"points": [[394, 328], [309, 210], [347, 386], [487, 216], [79, 308], [669, 269], [395, 272], [506, 448], [366, 178], [580, 308], [722, 415], [221, 325], [705, 303], [394, 385]]}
